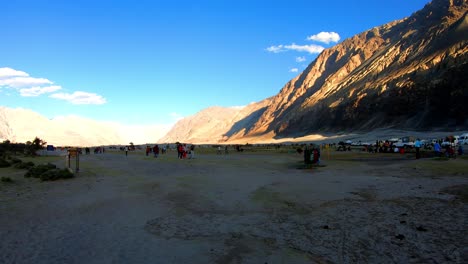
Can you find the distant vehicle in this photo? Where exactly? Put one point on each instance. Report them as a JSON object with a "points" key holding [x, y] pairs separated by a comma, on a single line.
{"points": [[463, 139], [405, 142]]}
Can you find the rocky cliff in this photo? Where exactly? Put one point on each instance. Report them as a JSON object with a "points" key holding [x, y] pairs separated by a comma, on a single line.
{"points": [[410, 73]]}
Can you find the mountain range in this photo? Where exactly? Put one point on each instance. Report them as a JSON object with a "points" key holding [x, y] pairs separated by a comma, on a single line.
{"points": [[22, 125], [408, 74]]}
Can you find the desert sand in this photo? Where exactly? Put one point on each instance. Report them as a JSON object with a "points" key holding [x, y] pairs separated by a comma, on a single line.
{"points": [[259, 206]]}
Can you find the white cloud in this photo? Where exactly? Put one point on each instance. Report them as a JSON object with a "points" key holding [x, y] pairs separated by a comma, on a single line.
{"points": [[36, 91], [23, 82], [80, 97], [276, 49], [31, 87], [325, 37], [300, 59], [312, 49], [307, 48], [6, 72], [294, 70]]}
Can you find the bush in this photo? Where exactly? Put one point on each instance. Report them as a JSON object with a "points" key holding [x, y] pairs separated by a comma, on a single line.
{"points": [[47, 172], [36, 171], [55, 174], [4, 163], [6, 179], [24, 165], [14, 160]]}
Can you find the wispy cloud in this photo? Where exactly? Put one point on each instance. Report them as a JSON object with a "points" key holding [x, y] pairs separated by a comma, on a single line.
{"points": [[294, 70], [80, 98], [36, 91], [276, 49], [325, 37], [23, 82], [312, 49], [300, 59], [28, 86]]}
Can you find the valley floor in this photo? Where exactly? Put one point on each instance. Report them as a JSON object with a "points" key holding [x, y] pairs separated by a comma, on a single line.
{"points": [[250, 207]]}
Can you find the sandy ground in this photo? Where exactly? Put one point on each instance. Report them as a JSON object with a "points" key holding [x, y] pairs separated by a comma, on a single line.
{"points": [[251, 207]]}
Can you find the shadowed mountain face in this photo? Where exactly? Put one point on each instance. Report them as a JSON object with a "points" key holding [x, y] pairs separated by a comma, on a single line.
{"points": [[411, 73]]}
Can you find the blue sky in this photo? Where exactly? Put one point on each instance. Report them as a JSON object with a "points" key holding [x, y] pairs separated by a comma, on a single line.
{"points": [[148, 62]]}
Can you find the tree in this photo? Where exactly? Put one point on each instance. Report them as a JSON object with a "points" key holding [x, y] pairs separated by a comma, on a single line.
{"points": [[35, 145]]}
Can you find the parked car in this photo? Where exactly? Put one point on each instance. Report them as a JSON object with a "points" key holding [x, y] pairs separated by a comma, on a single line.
{"points": [[463, 139], [405, 142]]}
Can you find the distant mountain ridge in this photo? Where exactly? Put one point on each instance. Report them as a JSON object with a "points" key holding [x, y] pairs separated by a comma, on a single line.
{"points": [[411, 74], [22, 125]]}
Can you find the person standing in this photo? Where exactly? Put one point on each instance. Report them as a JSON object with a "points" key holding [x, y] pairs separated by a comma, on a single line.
{"points": [[417, 145], [192, 152], [156, 151], [437, 149], [126, 150]]}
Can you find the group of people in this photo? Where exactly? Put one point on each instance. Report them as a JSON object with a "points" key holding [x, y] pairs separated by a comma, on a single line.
{"points": [[96, 150], [219, 151], [155, 150], [449, 150], [183, 150], [311, 154]]}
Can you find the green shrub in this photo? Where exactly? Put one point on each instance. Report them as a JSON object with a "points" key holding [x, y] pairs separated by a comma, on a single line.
{"points": [[55, 174], [36, 171], [4, 163], [24, 165], [14, 160], [6, 179]]}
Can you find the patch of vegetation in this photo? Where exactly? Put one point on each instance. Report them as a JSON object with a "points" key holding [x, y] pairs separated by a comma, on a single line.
{"points": [[6, 179], [47, 172], [36, 171], [14, 160], [24, 165], [28, 148], [4, 163], [460, 191], [56, 174]]}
